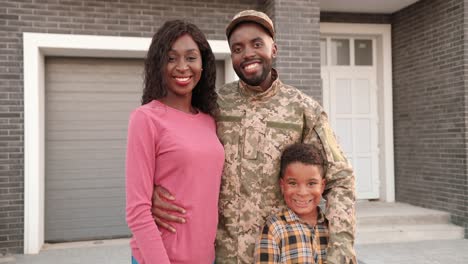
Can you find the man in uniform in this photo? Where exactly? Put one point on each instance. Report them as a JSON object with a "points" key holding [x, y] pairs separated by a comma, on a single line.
{"points": [[259, 117]]}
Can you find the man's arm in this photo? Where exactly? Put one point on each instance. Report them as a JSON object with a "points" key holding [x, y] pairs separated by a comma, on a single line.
{"points": [[339, 191], [162, 206]]}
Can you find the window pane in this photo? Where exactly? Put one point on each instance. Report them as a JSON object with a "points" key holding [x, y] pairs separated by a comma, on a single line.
{"points": [[363, 52], [340, 51], [323, 51]]}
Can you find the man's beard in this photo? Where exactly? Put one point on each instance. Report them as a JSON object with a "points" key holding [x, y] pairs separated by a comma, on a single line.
{"points": [[257, 79]]}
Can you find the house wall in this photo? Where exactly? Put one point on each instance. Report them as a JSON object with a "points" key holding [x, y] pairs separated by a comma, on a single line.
{"points": [[337, 17], [430, 109], [465, 69], [298, 58], [138, 18]]}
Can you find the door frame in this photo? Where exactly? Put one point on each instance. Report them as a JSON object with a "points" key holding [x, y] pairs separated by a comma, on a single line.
{"points": [[382, 34], [37, 46]]}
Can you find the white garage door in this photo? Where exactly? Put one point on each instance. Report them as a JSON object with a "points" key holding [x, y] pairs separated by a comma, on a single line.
{"points": [[88, 102]]}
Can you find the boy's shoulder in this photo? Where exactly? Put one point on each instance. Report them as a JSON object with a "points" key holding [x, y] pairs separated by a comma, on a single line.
{"points": [[281, 218], [275, 223], [280, 214], [287, 216]]}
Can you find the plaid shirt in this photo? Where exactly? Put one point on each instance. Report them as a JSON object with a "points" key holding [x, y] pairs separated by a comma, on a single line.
{"points": [[287, 239]]}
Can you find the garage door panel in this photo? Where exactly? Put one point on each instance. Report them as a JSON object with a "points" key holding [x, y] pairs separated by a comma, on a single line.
{"points": [[87, 222], [82, 173], [88, 103], [77, 194], [79, 174], [77, 106], [77, 215], [118, 83], [87, 225], [58, 154], [87, 144], [73, 184], [84, 233], [73, 125], [89, 207], [69, 135], [84, 164], [131, 69], [90, 116], [115, 86], [95, 97], [97, 71]]}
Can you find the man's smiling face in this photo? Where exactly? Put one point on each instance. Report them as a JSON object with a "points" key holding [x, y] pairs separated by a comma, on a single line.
{"points": [[252, 54]]}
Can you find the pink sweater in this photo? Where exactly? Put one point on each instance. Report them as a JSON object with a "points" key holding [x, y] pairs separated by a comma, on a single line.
{"points": [[181, 152]]}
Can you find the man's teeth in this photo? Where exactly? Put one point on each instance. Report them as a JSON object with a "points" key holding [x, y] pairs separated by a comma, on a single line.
{"points": [[251, 66], [182, 79]]}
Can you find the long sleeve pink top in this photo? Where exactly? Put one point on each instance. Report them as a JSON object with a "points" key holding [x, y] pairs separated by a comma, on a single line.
{"points": [[181, 152]]}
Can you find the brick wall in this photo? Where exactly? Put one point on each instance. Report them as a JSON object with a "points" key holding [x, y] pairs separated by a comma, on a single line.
{"points": [[298, 34], [430, 106], [338, 17], [465, 73], [138, 18]]}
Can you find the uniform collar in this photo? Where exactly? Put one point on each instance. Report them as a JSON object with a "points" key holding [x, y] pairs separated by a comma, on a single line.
{"points": [[290, 216], [255, 93]]}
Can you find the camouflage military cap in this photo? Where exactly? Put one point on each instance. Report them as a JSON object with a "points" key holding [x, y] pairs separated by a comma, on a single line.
{"points": [[251, 16]]}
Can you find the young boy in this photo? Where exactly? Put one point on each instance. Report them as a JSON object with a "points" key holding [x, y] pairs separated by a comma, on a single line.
{"points": [[298, 234]]}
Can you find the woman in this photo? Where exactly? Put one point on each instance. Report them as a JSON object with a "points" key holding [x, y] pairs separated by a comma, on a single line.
{"points": [[172, 142]]}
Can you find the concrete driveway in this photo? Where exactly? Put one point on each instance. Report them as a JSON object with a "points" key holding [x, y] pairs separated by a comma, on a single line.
{"points": [[118, 252]]}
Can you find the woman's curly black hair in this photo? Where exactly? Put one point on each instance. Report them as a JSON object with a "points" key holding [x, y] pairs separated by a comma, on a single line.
{"points": [[204, 96]]}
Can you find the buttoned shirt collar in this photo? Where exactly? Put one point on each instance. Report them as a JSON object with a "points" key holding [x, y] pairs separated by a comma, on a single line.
{"points": [[290, 216]]}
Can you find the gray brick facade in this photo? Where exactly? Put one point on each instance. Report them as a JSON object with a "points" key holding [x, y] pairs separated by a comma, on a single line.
{"points": [[429, 81], [430, 107], [336, 17], [465, 135], [430, 102], [138, 18], [298, 39]]}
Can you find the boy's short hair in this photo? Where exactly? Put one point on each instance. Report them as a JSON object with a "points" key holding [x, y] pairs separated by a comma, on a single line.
{"points": [[303, 153]]}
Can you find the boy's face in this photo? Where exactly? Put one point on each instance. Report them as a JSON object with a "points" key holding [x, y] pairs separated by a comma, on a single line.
{"points": [[302, 186]]}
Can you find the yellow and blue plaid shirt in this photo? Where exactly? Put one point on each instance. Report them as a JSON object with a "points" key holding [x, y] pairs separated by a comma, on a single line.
{"points": [[285, 238]]}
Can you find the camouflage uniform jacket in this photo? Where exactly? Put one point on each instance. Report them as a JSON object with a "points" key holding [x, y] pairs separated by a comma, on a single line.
{"points": [[254, 128]]}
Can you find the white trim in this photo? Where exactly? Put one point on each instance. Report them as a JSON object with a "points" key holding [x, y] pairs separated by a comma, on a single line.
{"points": [[36, 47], [384, 69], [230, 74]]}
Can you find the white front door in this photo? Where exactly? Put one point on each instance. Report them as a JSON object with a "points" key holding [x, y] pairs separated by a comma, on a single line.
{"points": [[350, 98]]}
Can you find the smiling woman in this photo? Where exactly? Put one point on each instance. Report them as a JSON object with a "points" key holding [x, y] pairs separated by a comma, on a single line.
{"points": [[178, 41], [172, 142], [183, 71]]}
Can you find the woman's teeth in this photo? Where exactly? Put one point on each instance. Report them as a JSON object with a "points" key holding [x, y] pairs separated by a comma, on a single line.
{"points": [[184, 79]]}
